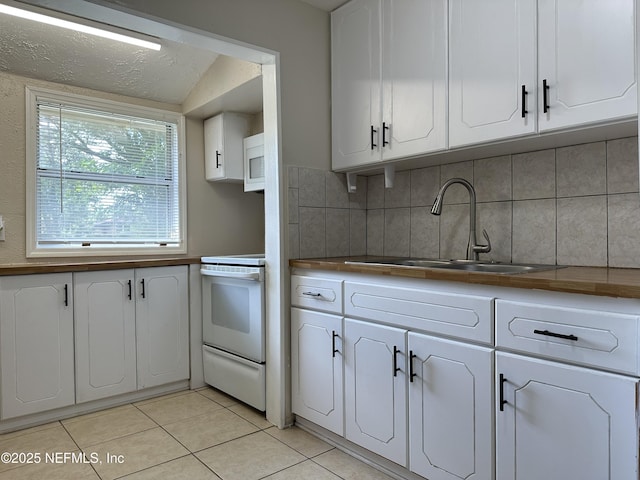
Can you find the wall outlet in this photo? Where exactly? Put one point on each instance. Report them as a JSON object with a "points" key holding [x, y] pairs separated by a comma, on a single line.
{"points": [[1, 229]]}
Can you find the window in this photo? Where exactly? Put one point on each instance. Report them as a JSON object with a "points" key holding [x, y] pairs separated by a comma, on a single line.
{"points": [[105, 177]]}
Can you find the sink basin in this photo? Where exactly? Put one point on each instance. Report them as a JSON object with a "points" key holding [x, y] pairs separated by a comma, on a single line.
{"points": [[499, 267], [463, 265]]}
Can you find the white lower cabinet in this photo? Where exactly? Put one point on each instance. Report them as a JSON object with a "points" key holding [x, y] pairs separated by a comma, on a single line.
{"points": [[562, 422], [71, 338], [162, 326], [375, 388], [132, 330], [450, 409], [36, 343], [105, 334], [316, 368]]}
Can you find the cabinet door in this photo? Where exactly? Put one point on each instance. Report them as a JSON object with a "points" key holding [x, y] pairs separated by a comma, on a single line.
{"points": [[105, 334], [213, 148], [36, 343], [162, 325], [355, 84], [414, 66], [316, 368], [375, 388], [450, 405], [561, 421], [492, 56], [587, 57]]}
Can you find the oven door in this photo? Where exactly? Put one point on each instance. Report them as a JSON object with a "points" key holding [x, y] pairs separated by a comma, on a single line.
{"points": [[233, 313]]}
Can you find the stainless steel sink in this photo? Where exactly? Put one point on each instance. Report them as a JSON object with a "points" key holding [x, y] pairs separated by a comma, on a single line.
{"points": [[463, 265]]}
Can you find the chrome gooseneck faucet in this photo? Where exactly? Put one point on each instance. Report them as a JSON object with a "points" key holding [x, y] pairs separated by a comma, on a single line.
{"points": [[473, 249]]}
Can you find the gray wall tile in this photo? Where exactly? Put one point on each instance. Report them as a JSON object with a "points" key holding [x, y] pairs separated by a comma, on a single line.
{"points": [[397, 229], [375, 192], [582, 231], [456, 193], [312, 187], [534, 175], [338, 231], [622, 165], [425, 233], [336, 190], [312, 232], [534, 231], [624, 230], [581, 170], [425, 183], [358, 232], [293, 205], [400, 195], [454, 231], [492, 179], [495, 218], [294, 240], [375, 232], [358, 199]]}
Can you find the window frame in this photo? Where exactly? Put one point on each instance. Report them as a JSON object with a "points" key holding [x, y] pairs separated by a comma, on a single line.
{"points": [[33, 249]]}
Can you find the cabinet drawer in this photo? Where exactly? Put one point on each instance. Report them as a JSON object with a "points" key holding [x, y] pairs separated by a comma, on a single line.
{"points": [[316, 293], [463, 316], [588, 337]]}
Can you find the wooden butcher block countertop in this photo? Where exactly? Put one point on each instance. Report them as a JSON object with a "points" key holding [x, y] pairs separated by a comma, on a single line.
{"points": [[611, 282]]}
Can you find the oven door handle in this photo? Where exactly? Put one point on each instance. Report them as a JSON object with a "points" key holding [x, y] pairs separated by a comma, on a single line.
{"points": [[256, 276]]}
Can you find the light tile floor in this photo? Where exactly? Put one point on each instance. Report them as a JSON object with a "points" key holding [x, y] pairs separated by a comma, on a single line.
{"points": [[190, 435]]}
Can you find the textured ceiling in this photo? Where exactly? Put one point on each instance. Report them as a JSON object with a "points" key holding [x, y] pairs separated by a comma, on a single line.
{"points": [[49, 53]]}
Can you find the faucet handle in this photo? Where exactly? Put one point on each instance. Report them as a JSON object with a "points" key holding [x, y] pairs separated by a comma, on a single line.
{"points": [[483, 248]]}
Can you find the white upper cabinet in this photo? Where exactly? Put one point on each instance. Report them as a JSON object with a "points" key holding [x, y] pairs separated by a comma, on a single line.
{"points": [[414, 80], [388, 80], [355, 83], [511, 77], [223, 147], [587, 60], [492, 58]]}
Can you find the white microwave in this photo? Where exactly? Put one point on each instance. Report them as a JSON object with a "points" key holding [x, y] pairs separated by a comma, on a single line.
{"points": [[254, 163]]}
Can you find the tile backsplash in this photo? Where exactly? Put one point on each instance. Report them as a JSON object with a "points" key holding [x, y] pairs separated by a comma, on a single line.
{"points": [[577, 205]]}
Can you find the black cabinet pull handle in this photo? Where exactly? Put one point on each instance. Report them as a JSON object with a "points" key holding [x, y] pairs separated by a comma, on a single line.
{"points": [[373, 130], [130, 290], [66, 295], [524, 101], [396, 369], [385, 127], [547, 333], [333, 344], [218, 159], [411, 372], [143, 292], [502, 400], [545, 96], [311, 294]]}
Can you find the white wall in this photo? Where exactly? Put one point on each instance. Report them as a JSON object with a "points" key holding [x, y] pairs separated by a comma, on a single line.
{"points": [[300, 33]]}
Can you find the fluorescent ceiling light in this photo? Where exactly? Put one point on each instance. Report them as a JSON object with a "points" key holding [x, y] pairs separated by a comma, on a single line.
{"points": [[79, 27]]}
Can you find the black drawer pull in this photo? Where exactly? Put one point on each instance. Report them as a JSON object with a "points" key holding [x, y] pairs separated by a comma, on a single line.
{"points": [[311, 294], [545, 96], [373, 130], [333, 344], [547, 333]]}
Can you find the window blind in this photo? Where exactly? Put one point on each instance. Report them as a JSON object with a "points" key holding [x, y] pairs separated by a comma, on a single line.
{"points": [[105, 178]]}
